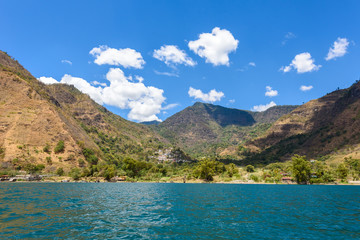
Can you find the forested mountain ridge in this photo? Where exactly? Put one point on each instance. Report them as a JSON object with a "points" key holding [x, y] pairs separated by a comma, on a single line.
{"points": [[207, 129]]}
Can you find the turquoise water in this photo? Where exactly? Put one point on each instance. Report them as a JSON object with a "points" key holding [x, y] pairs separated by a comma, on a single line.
{"points": [[177, 211]]}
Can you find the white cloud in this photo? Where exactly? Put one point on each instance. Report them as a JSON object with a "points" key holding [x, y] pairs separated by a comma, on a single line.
{"points": [[288, 36], [139, 78], [172, 55], [215, 47], [169, 74], [261, 108], [66, 61], [212, 96], [94, 92], [338, 49], [144, 102], [302, 63], [126, 57], [96, 83], [232, 101], [270, 92], [252, 64], [306, 88], [47, 80], [170, 106]]}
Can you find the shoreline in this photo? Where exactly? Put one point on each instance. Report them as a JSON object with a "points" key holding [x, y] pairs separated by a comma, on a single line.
{"points": [[236, 183]]}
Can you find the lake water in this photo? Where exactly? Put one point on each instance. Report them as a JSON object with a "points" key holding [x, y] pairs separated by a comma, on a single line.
{"points": [[177, 211]]}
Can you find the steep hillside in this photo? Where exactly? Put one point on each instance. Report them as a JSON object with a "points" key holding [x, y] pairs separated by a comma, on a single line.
{"points": [[317, 128], [206, 129], [35, 118]]}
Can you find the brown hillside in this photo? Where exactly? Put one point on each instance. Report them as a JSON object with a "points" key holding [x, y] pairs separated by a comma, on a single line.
{"points": [[33, 115], [317, 128]]}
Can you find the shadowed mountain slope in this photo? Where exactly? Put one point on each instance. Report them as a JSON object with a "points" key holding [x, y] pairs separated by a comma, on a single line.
{"points": [[206, 129]]}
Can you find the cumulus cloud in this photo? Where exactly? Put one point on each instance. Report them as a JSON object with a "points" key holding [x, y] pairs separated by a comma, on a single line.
{"points": [[172, 55], [215, 47], [302, 63], [338, 49], [306, 88], [169, 74], [270, 92], [261, 108], [144, 102], [47, 80], [211, 96], [66, 61], [96, 83], [126, 57], [252, 64], [94, 92]]}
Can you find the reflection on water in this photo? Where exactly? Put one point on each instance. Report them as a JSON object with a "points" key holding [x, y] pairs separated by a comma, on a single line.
{"points": [[177, 211]]}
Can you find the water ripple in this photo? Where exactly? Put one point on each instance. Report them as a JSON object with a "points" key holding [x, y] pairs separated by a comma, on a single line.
{"points": [[177, 211]]}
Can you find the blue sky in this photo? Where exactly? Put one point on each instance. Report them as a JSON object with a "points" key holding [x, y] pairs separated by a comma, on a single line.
{"points": [[154, 58]]}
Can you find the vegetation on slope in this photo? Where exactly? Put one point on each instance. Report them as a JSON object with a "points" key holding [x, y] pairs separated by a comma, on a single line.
{"points": [[206, 130]]}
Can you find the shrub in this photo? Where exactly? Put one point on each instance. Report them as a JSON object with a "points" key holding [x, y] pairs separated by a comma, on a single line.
{"points": [[75, 173], [250, 168], [47, 148], [48, 160], [81, 162], [60, 171], [59, 147], [254, 178]]}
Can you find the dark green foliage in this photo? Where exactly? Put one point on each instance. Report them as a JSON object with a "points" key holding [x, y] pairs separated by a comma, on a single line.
{"points": [[342, 171], [60, 171], [301, 169], [46, 149], [207, 169], [135, 168], [90, 156], [33, 168], [75, 174], [250, 168], [109, 172], [81, 162], [48, 160], [231, 169], [60, 147]]}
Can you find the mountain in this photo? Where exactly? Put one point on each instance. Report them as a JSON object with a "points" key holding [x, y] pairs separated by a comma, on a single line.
{"points": [[319, 128], [206, 129], [36, 119], [151, 122]]}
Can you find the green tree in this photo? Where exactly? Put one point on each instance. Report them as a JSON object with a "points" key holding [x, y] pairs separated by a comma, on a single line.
{"points": [[231, 169], [60, 146], [110, 172], [342, 171], [47, 148], [75, 173], [250, 168], [301, 169], [60, 171], [206, 169]]}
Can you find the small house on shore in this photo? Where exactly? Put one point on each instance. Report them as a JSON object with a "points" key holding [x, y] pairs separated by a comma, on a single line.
{"points": [[4, 178], [287, 180]]}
